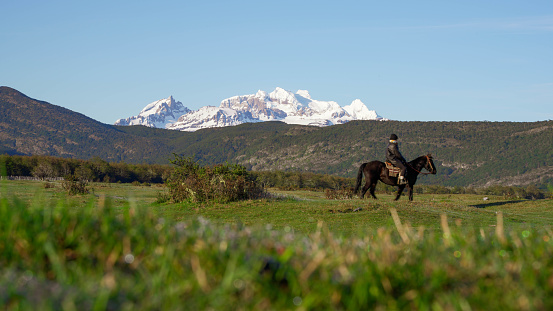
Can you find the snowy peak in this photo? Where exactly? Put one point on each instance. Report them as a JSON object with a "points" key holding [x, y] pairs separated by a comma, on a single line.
{"points": [[282, 96], [157, 114], [304, 94], [261, 95], [279, 105], [160, 106], [359, 111]]}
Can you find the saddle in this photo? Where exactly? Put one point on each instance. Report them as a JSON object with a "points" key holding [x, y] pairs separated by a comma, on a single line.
{"points": [[393, 171]]}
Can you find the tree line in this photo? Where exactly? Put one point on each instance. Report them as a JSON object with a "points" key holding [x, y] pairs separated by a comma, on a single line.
{"points": [[98, 170], [94, 170]]}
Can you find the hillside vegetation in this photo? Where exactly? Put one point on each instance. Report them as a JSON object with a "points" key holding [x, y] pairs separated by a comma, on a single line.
{"points": [[466, 153]]}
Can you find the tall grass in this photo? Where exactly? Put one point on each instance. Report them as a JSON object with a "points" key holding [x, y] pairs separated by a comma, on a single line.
{"points": [[58, 256]]}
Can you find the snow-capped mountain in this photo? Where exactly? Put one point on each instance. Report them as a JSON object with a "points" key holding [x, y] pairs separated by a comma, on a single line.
{"points": [[157, 114], [210, 116], [279, 105]]}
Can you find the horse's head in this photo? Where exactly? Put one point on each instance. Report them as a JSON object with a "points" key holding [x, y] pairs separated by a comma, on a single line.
{"points": [[429, 166]]}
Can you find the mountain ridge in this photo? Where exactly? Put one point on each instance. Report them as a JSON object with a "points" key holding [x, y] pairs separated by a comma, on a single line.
{"points": [[279, 105], [157, 114]]}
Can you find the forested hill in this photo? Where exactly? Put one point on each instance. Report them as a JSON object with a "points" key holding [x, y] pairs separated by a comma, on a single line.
{"points": [[32, 127], [466, 153]]}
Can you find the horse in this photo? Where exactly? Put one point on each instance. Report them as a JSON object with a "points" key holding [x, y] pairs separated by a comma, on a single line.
{"points": [[376, 170]]}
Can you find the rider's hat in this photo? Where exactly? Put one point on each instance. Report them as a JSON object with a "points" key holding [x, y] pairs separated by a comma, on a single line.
{"points": [[393, 137]]}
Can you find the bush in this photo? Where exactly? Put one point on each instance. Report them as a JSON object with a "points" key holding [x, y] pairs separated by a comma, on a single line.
{"points": [[74, 185], [163, 197], [220, 183], [342, 194]]}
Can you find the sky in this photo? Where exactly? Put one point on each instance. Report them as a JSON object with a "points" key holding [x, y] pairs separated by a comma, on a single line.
{"points": [[407, 60]]}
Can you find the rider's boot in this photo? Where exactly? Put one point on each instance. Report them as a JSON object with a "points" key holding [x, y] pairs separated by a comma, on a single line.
{"points": [[402, 180]]}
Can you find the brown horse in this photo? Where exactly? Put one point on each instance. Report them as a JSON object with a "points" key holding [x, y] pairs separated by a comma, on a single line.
{"points": [[376, 170]]}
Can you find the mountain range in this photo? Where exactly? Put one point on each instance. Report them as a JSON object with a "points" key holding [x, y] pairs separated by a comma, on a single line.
{"points": [[465, 153], [279, 105]]}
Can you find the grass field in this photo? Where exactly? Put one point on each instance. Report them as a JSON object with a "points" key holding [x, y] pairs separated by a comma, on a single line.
{"points": [[117, 249], [302, 210]]}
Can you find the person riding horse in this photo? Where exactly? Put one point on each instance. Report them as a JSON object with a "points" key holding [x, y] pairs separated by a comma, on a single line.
{"points": [[394, 156]]}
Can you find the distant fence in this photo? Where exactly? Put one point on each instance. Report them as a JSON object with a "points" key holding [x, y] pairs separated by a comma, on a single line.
{"points": [[31, 178]]}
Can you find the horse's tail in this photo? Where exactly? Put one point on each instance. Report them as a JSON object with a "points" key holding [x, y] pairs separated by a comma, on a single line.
{"points": [[359, 177]]}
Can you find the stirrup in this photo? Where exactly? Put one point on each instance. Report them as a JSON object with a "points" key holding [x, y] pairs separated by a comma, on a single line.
{"points": [[401, 181]]}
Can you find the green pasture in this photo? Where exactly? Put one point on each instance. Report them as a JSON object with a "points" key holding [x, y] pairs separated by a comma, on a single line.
{"points": [[117, 249], [301, 211]]}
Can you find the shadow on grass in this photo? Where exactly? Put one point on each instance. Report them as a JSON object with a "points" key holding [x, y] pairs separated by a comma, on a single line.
{"points": [[496, 203], [349, 210]]}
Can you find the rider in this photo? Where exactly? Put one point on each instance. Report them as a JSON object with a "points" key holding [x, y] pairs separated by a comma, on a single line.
{"points": [[394, 156]]}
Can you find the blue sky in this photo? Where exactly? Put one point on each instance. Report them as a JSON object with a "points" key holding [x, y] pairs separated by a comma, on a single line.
{"points": [[408, 60]]}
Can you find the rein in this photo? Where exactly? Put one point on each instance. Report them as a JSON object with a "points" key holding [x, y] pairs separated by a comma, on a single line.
{"points": [[430, 163]]}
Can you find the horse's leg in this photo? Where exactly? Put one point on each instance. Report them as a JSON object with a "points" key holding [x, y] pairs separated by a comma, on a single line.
{"points": [[373, 187], [399, 191], [410, 193], [364, 190], [370, 184]]}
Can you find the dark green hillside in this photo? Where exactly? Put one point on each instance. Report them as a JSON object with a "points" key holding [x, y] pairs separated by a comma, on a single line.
{"points": [[233, 144], [32, 127], [467, 153]]}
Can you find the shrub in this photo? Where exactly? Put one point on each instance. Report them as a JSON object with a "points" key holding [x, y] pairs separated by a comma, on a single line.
{"points": [[342, 194], [220, 183], [74, 185], [163, 197]]}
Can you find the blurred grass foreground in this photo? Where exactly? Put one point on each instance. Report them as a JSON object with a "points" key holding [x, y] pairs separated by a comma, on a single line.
{"points": [[54, 256]]}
